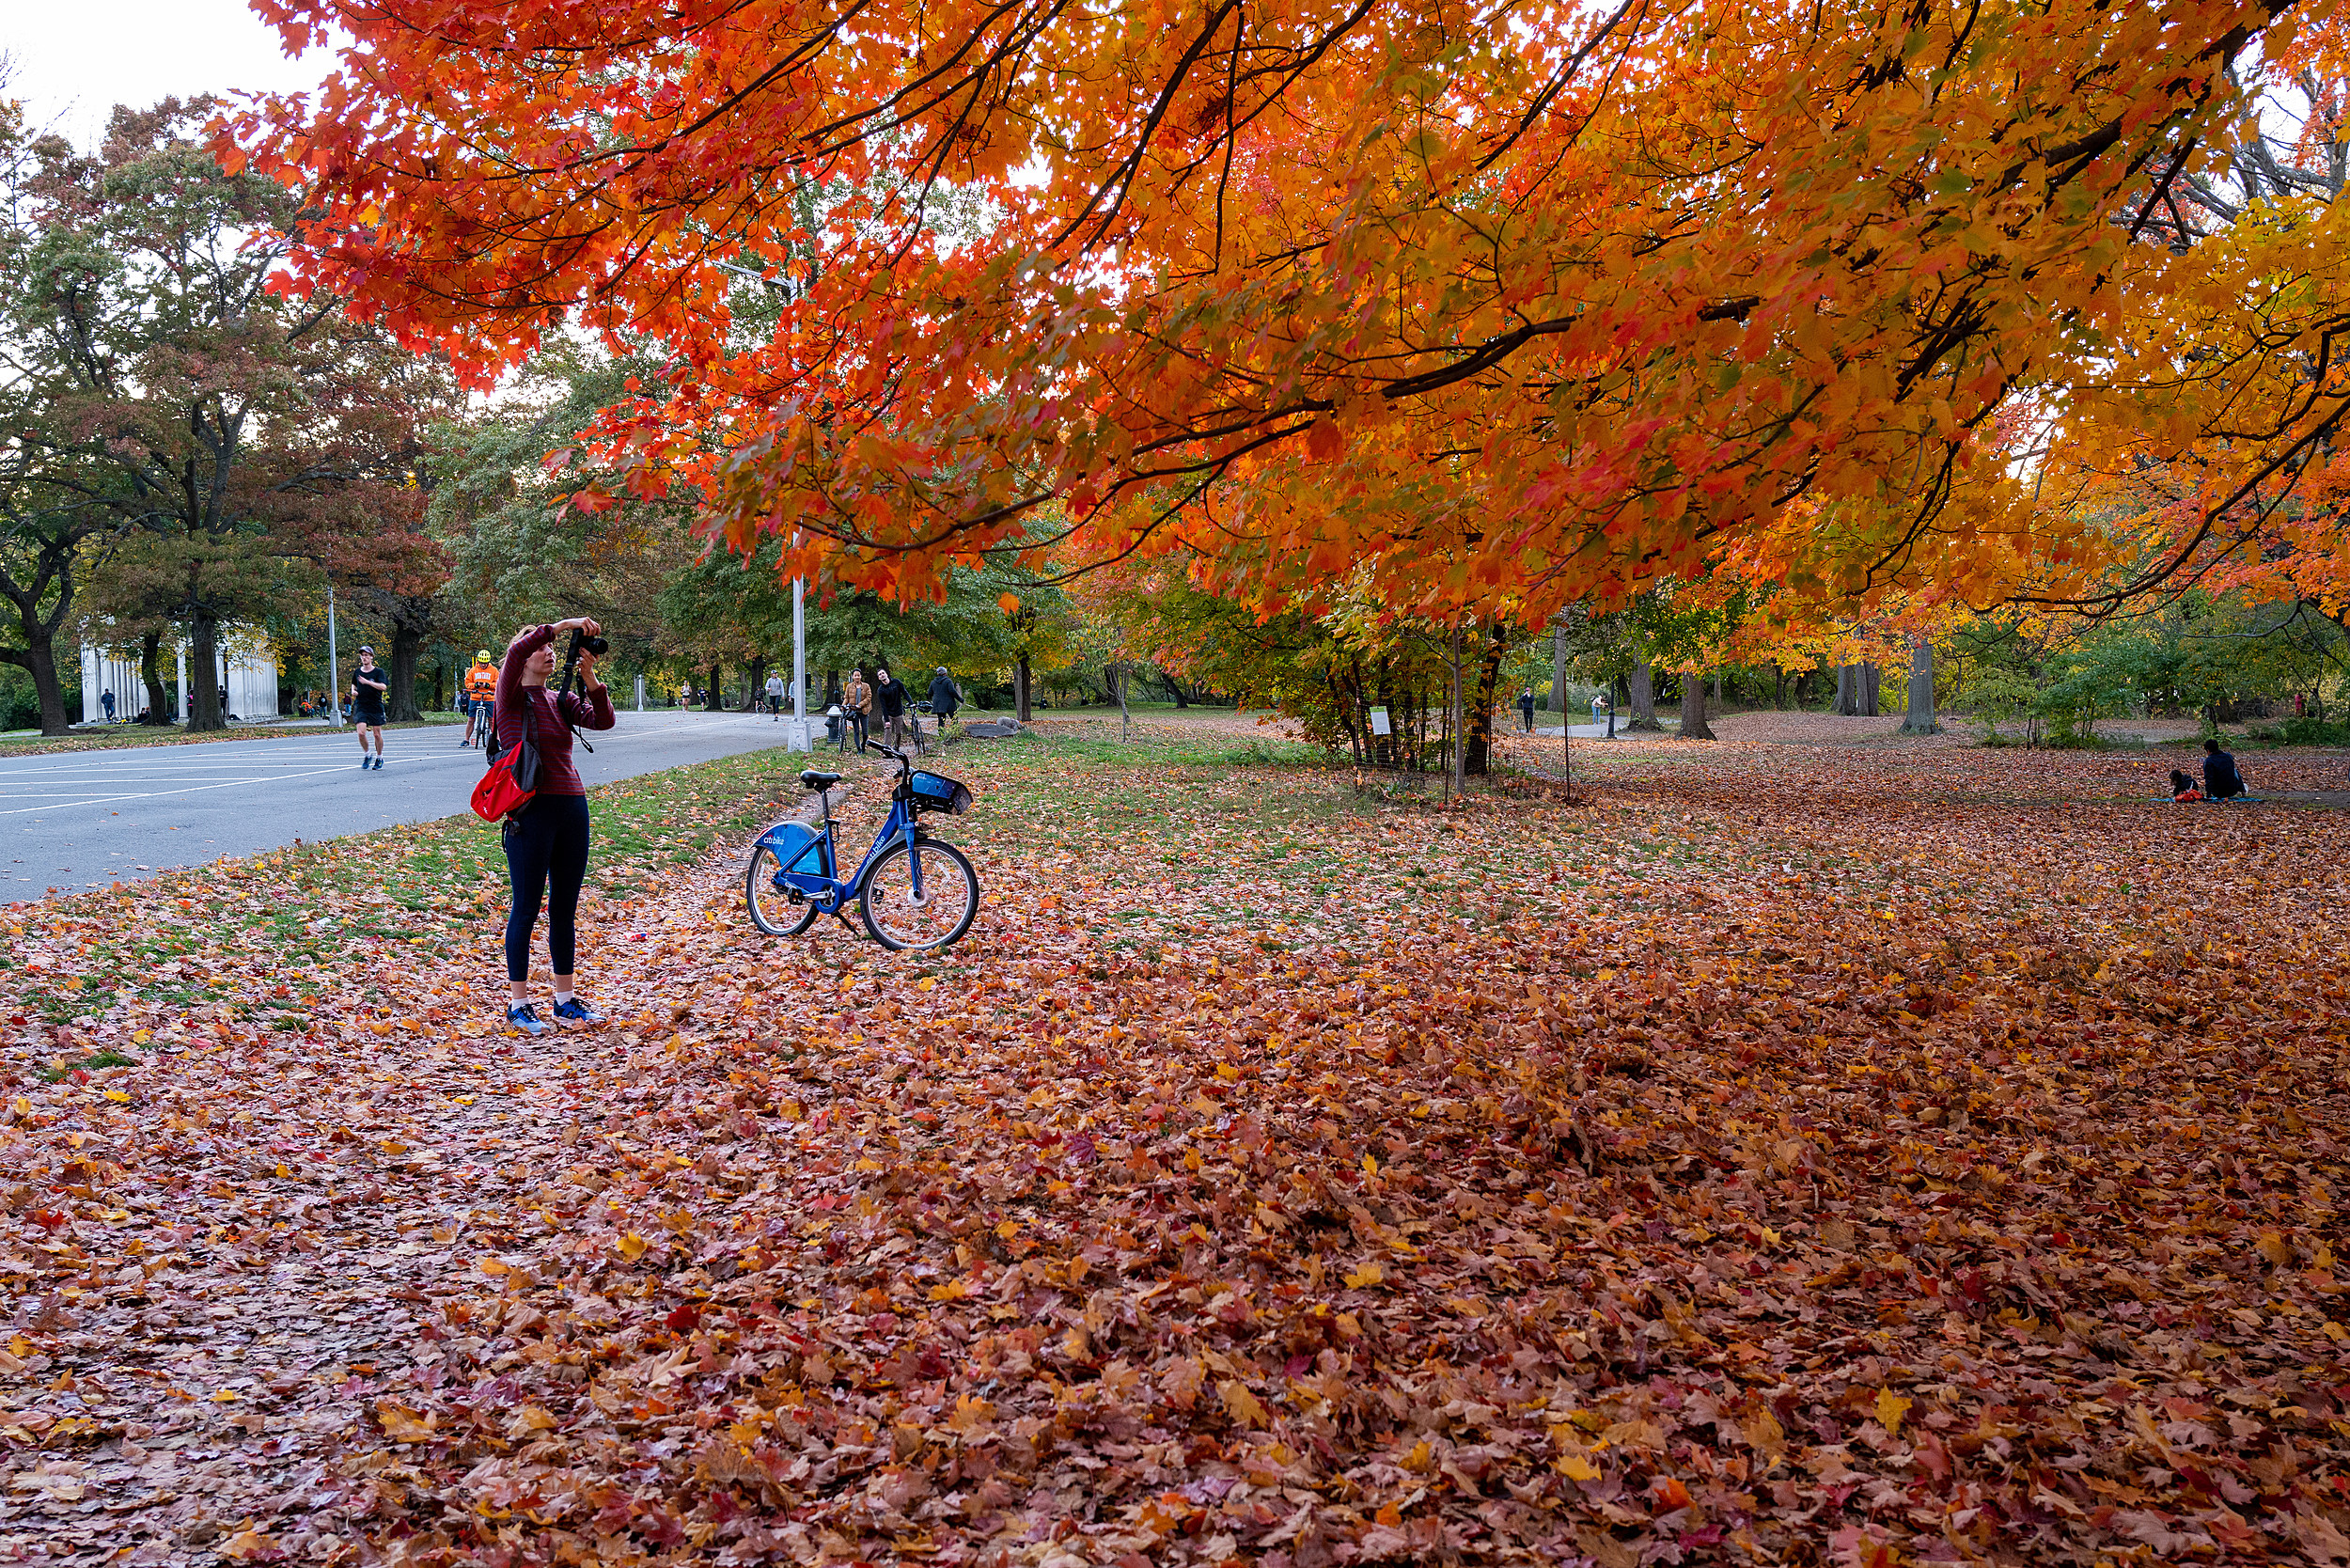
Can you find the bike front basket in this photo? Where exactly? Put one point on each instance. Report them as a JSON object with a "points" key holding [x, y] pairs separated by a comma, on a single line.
{"points": [[936, 791]]}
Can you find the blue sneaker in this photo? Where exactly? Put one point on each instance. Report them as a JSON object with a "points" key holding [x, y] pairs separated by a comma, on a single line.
{"points": [[526, 1018], [577, 1011]]}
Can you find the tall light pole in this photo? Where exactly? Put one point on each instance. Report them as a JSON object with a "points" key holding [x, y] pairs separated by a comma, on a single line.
{"points": [[334, 671], [799, 659]]}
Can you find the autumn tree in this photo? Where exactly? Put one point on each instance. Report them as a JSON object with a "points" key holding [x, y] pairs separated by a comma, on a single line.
{"points": [[152, 357], [1548, 300], [54, 501]]}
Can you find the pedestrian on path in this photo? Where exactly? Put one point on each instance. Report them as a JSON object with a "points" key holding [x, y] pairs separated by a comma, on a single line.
{"points": [[890, 693], [107, 702], [775, 697], [368, 687], [945, 699], [857, 699], [482, 695], [546, 841], [1526, 709]]}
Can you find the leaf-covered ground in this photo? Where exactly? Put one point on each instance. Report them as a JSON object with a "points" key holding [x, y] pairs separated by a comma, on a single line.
{"points": [[1883, 1155]]}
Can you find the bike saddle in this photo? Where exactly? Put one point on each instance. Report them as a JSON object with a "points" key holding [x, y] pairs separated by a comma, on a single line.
{"points": [[815, 780]]}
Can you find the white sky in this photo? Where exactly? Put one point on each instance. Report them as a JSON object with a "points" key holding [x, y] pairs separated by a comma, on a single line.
{"points": [[75, 61]]}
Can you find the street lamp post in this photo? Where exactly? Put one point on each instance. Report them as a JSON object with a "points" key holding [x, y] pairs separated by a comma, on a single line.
{"points": [[334, 671]]}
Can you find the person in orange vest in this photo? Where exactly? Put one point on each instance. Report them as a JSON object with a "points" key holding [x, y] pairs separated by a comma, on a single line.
{"points": [[481, 690]]}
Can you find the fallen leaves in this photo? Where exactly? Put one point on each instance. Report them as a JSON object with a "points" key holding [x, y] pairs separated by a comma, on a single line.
{"points": [[1304, 1197]]}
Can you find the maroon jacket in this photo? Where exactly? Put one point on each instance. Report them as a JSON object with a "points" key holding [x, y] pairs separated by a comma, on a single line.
{"points": [[550, 721]]}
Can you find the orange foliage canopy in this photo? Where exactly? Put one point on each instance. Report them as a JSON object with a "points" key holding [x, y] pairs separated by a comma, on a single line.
{"points": [[1527, 301]]}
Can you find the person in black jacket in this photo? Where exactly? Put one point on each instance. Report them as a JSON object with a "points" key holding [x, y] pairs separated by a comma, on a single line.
{"points": [[2220, 779], [945, 700], [890, 698]]}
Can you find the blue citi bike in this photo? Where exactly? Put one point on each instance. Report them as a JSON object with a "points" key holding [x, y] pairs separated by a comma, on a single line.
{"points": [[915, 892]]}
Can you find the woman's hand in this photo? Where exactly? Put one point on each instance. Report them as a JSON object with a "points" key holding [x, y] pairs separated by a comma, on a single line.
{"points": [[588, 669], [580, 623]]}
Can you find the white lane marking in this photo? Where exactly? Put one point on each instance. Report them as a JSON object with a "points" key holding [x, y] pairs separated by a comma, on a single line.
{"points": [[31, 767], [158, 794]]}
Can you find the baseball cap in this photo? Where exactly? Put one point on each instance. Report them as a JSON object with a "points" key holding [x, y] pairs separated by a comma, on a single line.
{"points": [[365, 649]]}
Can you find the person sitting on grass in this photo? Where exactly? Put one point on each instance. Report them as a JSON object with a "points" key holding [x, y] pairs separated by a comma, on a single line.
{"points": [[2183, 787], [2220, 779]]}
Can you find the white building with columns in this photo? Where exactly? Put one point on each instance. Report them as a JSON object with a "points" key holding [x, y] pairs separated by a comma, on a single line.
{"points": [[248, 679]]}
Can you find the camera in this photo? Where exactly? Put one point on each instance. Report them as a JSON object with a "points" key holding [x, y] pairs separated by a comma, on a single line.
{"points": [[580, 640]]}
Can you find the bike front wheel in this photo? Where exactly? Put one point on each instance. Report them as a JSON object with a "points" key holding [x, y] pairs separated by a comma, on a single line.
{"points": [[773, 909], [950, 901]]}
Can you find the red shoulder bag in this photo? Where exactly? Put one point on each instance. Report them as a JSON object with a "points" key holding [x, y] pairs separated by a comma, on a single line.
{"points": [[513, 780]]}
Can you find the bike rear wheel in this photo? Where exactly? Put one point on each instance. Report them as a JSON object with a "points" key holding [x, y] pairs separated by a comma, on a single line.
{"points": [[773, 909], [950, 897]]}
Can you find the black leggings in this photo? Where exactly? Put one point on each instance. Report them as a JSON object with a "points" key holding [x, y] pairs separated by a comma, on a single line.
{"points": [[548, 841]]}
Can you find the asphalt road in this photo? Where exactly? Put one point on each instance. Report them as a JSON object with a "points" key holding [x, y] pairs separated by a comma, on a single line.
{"points": [[85, 818]]}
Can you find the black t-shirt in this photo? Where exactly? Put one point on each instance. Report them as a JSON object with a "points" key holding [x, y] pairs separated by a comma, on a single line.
{"points": [[365, 699]]}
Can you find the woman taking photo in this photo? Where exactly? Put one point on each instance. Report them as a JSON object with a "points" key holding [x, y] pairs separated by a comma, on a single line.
{"points": [[546, 841]]}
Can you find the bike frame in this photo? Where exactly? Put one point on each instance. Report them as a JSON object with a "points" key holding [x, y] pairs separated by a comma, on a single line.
{"points": [[830, 893]]}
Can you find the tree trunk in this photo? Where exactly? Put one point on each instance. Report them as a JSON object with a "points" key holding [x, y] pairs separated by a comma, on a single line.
{"points": [[1480, 718], [151, 676], [400, 704], [1919, 720], [1559, 670], [714, 701], [1020, 689], [204, 668], [1693, 707], [1457, 720], [38, 660], [1856, 690], [1642, 681]]}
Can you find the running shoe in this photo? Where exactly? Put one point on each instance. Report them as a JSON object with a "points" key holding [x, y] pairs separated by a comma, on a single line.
{"points": [[366, 761], [577, 1011], [526, 1019]]}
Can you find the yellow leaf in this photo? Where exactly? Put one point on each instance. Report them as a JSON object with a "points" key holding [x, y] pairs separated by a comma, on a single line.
{"points": [[2272, 1246], [535, 1417], [1420, 1459], [1370, 1165], [1369, 1274], [1891, 1407], [631, 1247], [402, 1425], [250, 1543], [1576, 1467], [1242, 1406], [494, 1267], [117, 1097], [225, 1396]]}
